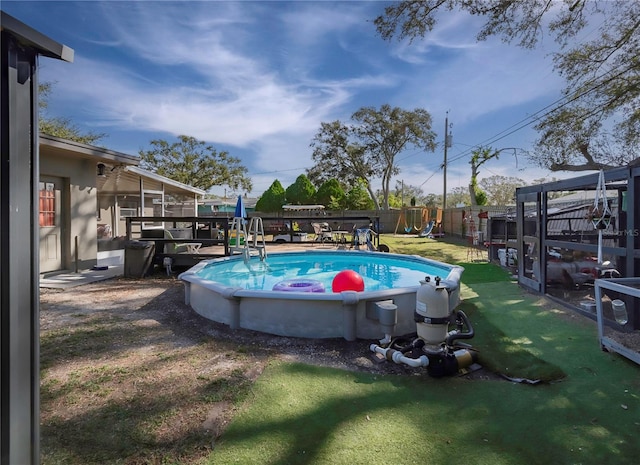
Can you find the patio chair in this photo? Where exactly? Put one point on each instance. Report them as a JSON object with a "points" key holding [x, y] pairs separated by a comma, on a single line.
{"points": [[364, 238], [180, 247], [322, 231]]}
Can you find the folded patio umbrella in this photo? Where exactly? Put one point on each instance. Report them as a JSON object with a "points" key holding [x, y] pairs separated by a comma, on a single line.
{"points": [[240, 212]]}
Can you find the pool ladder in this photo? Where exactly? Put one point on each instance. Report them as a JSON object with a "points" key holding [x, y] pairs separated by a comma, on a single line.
{"points": [[254, 243]]}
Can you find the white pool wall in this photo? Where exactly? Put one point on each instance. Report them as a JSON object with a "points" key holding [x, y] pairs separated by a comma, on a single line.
{"points": [[348, 314]]}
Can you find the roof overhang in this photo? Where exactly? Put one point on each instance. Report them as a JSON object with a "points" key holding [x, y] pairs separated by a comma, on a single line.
{"points": [[69, 148], [121, 175], [169, 184], [121, 180]]}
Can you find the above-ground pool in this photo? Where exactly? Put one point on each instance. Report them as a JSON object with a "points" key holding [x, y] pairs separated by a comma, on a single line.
{"points": [[240, 293]]}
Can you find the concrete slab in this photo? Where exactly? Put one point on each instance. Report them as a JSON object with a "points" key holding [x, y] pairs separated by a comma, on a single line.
{"points": [[69, 279]]}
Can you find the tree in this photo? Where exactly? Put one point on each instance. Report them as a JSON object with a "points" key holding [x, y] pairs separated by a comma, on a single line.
{"points": [[387, 132], [458, 196], [331, 195], [407, 192], [59, 126], [403, 195], [598, 124], [394, 199], [367, 147], [195, 163], [337, 157], [550, 194], [433, 200], [501, 190], [358, 198], [272, 199], [478, 158], [301, 192]]}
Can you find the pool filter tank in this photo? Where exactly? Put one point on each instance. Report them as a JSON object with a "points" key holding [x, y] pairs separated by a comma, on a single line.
{"points": [[436, 346], [432, 311]]}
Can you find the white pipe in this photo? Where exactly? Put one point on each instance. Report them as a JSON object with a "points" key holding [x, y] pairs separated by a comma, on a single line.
{"points": [[397, 357], [422, 361], [386, 339]]}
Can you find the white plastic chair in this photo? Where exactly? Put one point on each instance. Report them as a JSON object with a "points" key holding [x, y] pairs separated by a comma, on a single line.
{"points": [[322, 231]]}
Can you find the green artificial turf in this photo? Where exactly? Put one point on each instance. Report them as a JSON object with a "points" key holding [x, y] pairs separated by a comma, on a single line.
{"points": [[505, 355], [587, 411], [483, 273], [301, 414]]}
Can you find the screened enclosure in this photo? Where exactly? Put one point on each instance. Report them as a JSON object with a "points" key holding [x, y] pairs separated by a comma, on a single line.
{"points": [[574, 232]]}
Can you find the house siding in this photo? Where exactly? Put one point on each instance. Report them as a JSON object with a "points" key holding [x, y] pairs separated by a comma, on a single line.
{"points": [[78, 206]]}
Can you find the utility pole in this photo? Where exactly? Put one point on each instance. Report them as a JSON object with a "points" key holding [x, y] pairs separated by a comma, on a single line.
{"points": [[447, 143]]}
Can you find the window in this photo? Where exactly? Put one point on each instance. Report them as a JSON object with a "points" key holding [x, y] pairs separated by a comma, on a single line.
{"points": [[47, 203], [128, 212]]}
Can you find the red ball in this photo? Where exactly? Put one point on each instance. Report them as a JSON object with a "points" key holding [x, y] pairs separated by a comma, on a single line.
{"points": [[347, 280]]}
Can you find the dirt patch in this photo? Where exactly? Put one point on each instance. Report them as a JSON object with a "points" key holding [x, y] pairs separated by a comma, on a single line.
{"points": [[130, 357]]}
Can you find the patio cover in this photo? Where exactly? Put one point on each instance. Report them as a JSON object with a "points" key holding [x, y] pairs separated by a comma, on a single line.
{"points": [[302, 207], [130, 179]]}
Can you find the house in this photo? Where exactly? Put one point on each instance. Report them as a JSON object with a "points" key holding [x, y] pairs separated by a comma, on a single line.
{"points": [[214, 206], [85, 195]]}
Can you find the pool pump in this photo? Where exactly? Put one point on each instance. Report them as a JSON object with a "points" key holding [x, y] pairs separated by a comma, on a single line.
{"points": [[439, 329]]}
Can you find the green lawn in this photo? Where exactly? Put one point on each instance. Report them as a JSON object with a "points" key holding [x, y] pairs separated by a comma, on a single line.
{"points": [[588, 412]]}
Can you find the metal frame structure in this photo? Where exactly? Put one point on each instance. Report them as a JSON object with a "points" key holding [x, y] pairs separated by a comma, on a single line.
{"points": [[19, 293], [533, 208], [629, 287]]}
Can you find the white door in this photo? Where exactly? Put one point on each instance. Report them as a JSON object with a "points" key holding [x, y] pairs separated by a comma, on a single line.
{"points": [[50, 219]]}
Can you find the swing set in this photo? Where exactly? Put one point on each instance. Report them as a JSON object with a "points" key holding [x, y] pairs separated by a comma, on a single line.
{"points": [[417, 220]]}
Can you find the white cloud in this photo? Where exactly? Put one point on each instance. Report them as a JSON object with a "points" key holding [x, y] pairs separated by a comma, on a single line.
{"points": [[261, 79], [234, 96]]}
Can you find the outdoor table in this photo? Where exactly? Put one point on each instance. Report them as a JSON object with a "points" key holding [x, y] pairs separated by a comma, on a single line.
{"points": [[339, 236]]}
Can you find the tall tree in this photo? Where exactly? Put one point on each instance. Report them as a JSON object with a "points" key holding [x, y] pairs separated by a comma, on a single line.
{"points": [[598, 124], [59, 126], [366, 148], [387, 132], [479, 157], [272, 199], [301, 192], [337, 156], [501, 190], [195, 163]]}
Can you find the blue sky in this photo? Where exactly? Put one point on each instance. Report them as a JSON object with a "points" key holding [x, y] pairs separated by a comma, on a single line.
{"points": [[258, 78]]}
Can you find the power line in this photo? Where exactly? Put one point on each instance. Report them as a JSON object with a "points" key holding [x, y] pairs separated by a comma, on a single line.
{"points": [[554, 106], [426, 180]]}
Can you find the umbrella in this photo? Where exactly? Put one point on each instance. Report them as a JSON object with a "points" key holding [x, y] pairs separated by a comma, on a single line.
{"points": [[238, 230], [601, 214], [240, 210]]}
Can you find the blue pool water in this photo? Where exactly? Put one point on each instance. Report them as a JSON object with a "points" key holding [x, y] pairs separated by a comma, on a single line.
{"points": [[379, 270]]}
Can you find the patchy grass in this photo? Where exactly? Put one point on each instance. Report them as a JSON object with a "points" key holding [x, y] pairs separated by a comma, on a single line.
{"points": [[149, 407], [126, 388]]}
